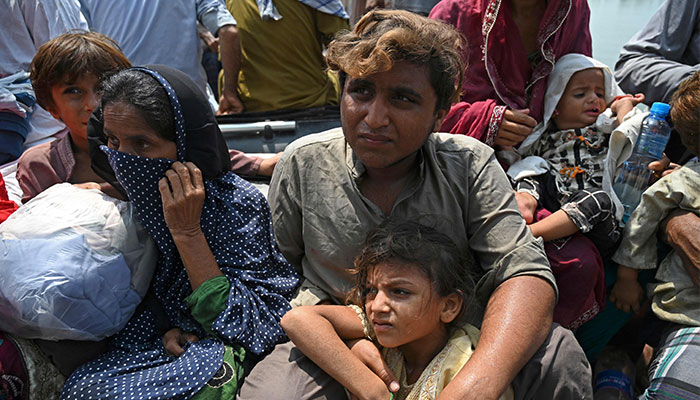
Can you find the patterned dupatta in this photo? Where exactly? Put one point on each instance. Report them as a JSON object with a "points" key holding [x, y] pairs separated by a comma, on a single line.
{"points": [[235, 220]]}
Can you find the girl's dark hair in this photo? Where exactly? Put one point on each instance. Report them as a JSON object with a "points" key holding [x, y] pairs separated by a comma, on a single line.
{"points": [[433, 252], [146, 94]]}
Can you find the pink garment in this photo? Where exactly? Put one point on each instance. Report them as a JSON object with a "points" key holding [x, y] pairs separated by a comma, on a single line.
{"points": [[499, 73], [243, 164], [580, 276], [45, 165]]}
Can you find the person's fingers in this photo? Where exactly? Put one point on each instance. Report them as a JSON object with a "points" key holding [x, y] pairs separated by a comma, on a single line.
{"points": [[671, 167], [504, 142], [385, 374], [520, 130], [660, 164], [175, 185], [368, 353], [514, 130], [626, 308], [195, 175], [166, 195], [171, 342], [190, 337], [183, 172], [173, 348], [620, 306], [521, 117], [635, 307]]}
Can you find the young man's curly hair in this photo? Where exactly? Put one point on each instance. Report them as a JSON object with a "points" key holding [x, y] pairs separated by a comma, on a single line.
{"points": [[383, 37]]}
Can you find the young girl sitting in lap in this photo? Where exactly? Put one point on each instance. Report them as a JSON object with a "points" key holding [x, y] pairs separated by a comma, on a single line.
{"points": [[411, 294], [570, 159]]}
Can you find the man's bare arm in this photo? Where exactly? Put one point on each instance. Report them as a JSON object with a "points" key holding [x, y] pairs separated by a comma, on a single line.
{"points": [[517, 321], [681, 230], [230, 50]]}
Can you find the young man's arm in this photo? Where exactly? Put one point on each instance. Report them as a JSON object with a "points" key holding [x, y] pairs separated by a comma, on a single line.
{"points": [[517, 321], [518, 286]]}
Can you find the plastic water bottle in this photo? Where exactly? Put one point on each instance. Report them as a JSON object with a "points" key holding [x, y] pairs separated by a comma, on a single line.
{"points": [[651, 143]]}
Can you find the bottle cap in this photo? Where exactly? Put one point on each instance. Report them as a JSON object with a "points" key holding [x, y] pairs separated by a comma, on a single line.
{"points": [[660, 108]]}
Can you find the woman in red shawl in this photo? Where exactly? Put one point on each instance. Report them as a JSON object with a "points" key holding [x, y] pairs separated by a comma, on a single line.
{"points": [[512, 46]]}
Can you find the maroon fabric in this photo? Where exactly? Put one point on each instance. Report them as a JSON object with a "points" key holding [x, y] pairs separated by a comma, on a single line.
{"points": [[7, 206], [13, 377], [471, 119], [498, 67], [243, 164], [45, 165], [580, 276]]}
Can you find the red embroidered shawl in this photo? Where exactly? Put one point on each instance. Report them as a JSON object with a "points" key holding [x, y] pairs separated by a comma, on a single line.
{"points": [[498, 72]]}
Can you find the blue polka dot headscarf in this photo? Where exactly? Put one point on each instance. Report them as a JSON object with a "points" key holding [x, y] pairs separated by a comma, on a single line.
{"points": [[235, 220], [237, 225]]}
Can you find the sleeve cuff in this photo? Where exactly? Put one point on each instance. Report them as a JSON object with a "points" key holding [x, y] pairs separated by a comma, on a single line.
{"points": [[494, 124], [215, 18], [208, 301]]}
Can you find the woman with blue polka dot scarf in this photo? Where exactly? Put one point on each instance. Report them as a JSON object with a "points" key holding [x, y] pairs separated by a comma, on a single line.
{"points": [[221, 285]]}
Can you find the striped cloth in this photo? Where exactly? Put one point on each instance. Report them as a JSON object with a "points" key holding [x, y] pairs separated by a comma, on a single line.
{"points": [[675, 371], [333, 7]]}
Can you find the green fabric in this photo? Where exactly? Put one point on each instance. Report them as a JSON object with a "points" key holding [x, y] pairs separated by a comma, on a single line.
{"points": [[208, 301], [224, 384], [282, 65]]}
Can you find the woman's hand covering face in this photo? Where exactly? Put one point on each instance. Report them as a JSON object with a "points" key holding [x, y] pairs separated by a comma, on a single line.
{"points": [[182, 193]]}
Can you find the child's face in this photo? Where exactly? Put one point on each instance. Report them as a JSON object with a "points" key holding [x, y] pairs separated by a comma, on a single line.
{"points": [[74, 102], [403, 308], [583, 100]]}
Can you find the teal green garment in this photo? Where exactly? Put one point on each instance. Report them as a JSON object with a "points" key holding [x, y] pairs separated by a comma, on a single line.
{"points": [[208, 301]]}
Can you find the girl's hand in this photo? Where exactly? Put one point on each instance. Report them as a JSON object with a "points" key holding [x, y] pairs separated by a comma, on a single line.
{"points": [[174, 339], [627, 295], [182, 193], [369, 354]]}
